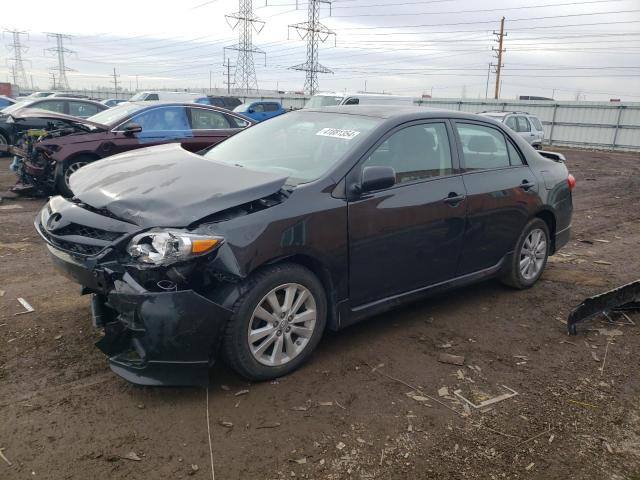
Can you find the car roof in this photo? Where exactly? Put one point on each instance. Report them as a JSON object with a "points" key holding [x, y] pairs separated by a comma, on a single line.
{"points": [[407, 113], [75, 99]]}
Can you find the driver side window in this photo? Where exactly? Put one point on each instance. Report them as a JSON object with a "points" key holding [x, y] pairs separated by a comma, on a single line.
{"points": [[415, 152], [161, 119]]}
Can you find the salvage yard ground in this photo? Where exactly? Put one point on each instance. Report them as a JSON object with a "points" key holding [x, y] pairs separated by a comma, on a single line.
{"points": [[370, 403]]}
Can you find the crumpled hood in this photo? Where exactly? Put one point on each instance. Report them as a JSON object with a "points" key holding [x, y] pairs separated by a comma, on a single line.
{"points": [[166, 186]]}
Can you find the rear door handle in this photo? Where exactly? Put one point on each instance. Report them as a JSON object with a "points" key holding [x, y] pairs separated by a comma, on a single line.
{"points": [[526, 185], [453, 199]]}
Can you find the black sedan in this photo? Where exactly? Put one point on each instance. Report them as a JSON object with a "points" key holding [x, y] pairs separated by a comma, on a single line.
{"points": [[313, 220]]}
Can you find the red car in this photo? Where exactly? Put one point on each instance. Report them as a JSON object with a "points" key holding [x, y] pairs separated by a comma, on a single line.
{"points": [[70, 143]]}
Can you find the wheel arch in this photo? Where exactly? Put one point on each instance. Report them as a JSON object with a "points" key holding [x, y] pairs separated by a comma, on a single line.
{"points": [[92, 155], [548, 217], [321, 271]]}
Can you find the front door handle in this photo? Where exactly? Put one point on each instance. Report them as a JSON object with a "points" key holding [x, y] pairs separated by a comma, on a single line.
{"points": [[454, 199], [526, 185]]}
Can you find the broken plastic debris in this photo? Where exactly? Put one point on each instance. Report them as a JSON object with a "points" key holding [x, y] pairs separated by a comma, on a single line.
{"points": [[132, 456], [443, 392], [27, 307], [242, 392], [340, 445], [451, 359], [491, 401]]}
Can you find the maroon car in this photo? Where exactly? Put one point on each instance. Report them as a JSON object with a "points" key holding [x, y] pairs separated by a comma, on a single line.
{"points": [[70, 142]]}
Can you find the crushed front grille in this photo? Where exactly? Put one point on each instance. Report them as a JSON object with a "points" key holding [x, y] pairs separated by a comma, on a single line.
{"points": [[72, 247], [89, 232]]}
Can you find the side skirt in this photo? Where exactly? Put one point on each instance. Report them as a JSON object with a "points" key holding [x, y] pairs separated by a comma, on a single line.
{"points": [[350, 315]]}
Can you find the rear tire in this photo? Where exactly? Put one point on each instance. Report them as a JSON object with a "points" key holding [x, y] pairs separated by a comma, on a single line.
{"points": [[284, 328], [69, 167], [3, 141], [529, 256]]}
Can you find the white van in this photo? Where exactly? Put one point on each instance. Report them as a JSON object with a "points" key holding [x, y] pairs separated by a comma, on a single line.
{"points": [[331, 99], [167, 96]]}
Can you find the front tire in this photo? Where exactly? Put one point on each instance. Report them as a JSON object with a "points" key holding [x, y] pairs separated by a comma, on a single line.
{"points": [[529, 256], [3, 141], [63, 174], [276, 324]]}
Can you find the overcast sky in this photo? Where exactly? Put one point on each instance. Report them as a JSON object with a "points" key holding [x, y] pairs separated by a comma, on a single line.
{"points": [[411, 47]]}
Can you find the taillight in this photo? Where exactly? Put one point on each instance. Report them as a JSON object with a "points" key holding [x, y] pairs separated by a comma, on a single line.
{"points": [[571, 182]]}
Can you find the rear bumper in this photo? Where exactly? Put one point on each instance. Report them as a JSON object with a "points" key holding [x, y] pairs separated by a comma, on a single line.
{"points": [[150, 338], [562, 238]]}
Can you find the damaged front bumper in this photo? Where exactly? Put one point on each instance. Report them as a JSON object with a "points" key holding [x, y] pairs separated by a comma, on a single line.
{"points": [[158, 338], [152, 336], [165, 338]]}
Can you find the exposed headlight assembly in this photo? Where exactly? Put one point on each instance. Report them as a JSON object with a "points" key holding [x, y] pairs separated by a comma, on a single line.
{"points": [[164, 247]]}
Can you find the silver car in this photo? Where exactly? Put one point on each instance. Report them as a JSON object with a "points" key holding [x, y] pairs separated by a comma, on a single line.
{"points": [[524, 124]]}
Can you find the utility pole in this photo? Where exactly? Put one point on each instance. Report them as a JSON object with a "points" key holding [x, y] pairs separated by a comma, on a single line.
{"points": [[61, 51], [245, 74], [53, 80], [210, 78], [115, 81], [499, 52], [315, 33], [228, 82], [19, 73]]}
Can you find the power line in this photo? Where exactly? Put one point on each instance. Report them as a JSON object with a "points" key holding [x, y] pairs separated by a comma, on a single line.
{"points": [[483, 10], [19, 73], [315, 33], [115, 81], [60, 51], [228, 81], [511, 20]]}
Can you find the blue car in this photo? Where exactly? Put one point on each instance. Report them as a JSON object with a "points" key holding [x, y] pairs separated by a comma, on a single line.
{"points": [[6, 101], [260, 111]]}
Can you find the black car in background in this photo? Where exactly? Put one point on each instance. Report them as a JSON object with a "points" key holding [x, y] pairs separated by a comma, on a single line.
{"points": [[228, 103], [76, 107], [318, 218]]}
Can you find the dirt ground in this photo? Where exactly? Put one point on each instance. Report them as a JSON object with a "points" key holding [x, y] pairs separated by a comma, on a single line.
{"points": [[347, 413]]}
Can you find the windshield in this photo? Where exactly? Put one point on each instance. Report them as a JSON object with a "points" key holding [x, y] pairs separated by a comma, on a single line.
{"points": [[323, 101], [139, 96], [115, 114], [302, 145], [17, 106]]}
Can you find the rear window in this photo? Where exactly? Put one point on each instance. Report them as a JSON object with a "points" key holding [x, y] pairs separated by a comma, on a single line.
{"points": [[482, 147]]}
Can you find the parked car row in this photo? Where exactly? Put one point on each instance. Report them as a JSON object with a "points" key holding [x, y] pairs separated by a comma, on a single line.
{"points": [[312, 220], [71, 142]]}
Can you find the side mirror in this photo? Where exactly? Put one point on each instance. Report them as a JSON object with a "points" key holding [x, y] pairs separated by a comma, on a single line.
{"points": [[377, 178], [251, 110], [132, 128]]}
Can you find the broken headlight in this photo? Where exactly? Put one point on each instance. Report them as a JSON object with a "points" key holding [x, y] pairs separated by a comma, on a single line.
{"points": [[164, 247]]}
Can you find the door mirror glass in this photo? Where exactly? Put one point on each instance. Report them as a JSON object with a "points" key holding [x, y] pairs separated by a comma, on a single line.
{"points": [[377, 178], [132, 128]]}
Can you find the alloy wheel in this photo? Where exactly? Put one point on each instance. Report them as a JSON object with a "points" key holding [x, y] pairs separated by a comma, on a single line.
{"points": [[533, 254], [72, 168], [282, 324]]}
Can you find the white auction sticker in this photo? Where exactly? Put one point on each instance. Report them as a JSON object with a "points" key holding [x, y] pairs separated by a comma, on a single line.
{"points": [[338, 133]]}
